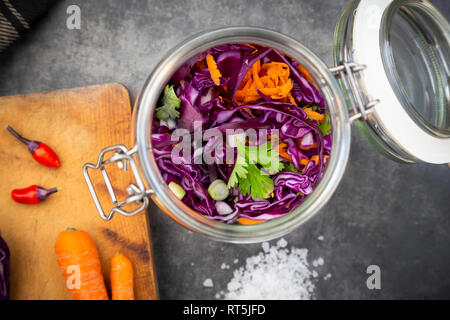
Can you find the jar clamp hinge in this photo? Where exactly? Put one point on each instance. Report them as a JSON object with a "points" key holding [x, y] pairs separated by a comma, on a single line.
{"points": [[137, 192], [350, 74]]}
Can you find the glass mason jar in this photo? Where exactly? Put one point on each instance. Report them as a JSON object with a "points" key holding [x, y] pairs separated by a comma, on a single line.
{"points": [[390, 78]]}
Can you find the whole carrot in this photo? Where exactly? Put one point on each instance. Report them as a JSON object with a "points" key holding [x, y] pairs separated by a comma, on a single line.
{"points": [[122, 278], [80, 265]]}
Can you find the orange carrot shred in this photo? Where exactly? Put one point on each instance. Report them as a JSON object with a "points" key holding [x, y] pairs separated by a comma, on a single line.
{"points": [[281, 149], [304, 73], [247, 221], [271, 79], [291, 99], [254, 48], [213, 70], [304, 161], [313, 115], [299, 144]]}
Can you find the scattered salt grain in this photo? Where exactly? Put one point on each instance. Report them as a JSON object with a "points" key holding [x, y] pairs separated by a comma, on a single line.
{"points": [[275, 273], [224, 266], [327, 276], [318, 262], [320, 238], [282, 243], [208, 283], [235, 261]]}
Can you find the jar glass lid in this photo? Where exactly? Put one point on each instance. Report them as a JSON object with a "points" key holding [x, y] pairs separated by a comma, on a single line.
{"points": [[415, 46], [406, 47]]}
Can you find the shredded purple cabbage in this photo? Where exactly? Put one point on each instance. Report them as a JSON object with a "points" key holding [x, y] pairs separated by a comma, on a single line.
{"points": [[215, 105], [4, 270]]}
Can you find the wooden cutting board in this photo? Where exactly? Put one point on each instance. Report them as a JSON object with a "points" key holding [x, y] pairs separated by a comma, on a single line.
{"points": [[77, 124]]}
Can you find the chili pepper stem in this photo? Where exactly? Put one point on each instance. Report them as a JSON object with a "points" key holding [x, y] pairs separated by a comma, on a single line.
{"points": [[17, 135], [43, 193], [52, 190]]}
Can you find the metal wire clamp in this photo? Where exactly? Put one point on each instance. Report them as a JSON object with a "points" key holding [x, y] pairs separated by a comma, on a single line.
{"points": [[124, 159], [350, 73]]}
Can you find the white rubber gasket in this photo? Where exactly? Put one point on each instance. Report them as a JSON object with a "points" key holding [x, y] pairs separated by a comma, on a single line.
{"points": [[390, 113]]}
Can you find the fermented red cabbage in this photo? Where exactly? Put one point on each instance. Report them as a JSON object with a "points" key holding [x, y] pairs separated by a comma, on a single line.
{"points": [[257, 88]]}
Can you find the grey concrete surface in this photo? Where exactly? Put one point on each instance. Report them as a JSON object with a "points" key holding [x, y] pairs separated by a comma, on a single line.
{"points": [[384, 213]]}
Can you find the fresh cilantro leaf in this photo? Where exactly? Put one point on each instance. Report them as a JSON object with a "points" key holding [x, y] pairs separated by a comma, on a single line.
{"points": [[170, 104], [258, 183], [325, 126], [240, 167], [248, 176], [290, 167], [267, 158]]}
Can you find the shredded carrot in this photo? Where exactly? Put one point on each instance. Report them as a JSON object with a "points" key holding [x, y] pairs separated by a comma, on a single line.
{"points": [[299, 144], [315, 158], [248, 221], [304, 161], [304, 73], [325, 158], [255, 74], [271, 79], [281, 149], [212, 67], [291, 99], [253, 47], [313, 115]]}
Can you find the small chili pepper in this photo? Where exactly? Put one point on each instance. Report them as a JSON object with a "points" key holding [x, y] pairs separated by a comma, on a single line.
{"points": [[31, 195], [41, 152]]}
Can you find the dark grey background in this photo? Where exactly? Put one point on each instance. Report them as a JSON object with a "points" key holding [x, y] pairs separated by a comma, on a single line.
{"points": [[395, 216]]}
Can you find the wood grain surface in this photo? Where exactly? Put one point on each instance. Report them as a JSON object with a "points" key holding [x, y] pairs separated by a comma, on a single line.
{"points": [[77, 124]]}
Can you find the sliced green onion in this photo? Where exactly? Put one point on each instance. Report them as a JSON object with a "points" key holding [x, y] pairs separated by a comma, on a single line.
{"points": [[177, 190], [218, 190], [223, 208]]}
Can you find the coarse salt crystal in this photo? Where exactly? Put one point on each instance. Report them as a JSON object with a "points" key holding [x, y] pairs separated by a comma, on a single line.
{"points": [[320, 238], [275, 273], [282, 243], [318, 262], [224, 266], [208, 283]]}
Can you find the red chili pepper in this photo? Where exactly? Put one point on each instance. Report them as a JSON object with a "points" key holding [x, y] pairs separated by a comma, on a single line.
{"points": [[41, 152], [31, 195]]}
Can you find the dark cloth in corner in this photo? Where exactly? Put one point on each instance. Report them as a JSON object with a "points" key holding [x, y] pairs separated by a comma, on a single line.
{"points": [[18, 16]]}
